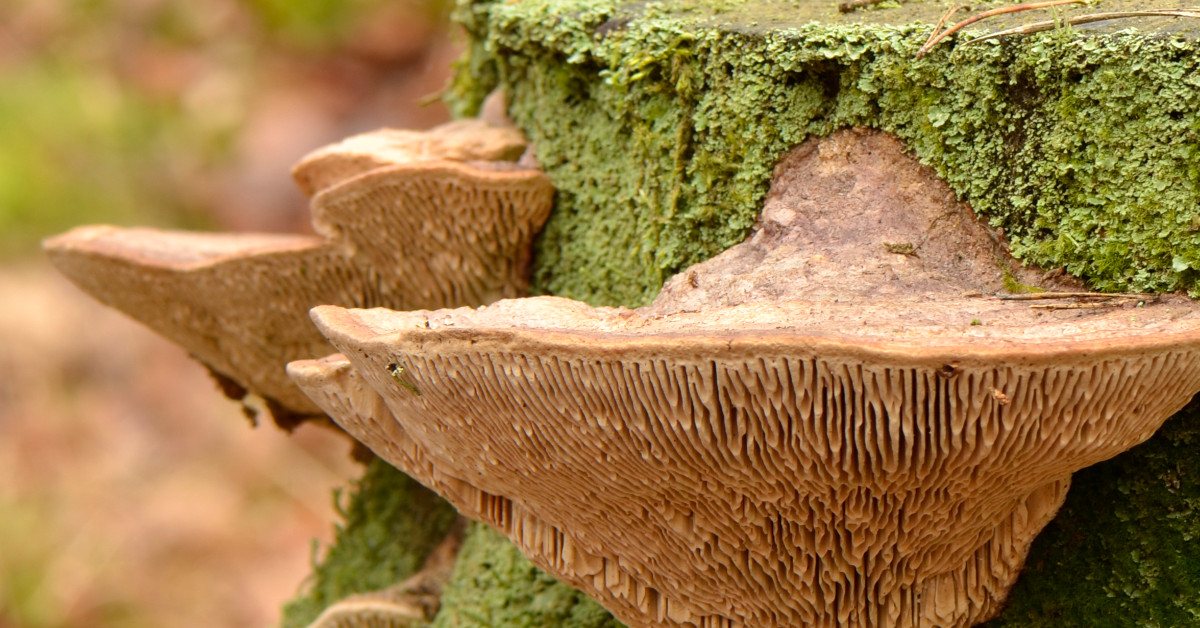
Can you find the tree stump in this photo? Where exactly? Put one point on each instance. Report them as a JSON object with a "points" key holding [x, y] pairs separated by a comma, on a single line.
{"points": [[1073, 130], [660, 123]]}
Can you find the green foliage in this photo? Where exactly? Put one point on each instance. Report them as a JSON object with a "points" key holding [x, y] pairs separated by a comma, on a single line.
{"points": [[314, 24], [494, 586], [28, 561], [97, 125], [74, 148], [79, 143], [391, 524]]}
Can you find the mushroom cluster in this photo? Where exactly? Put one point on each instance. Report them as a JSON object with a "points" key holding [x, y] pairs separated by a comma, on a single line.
{"points": [[845, 420], [408, 220]]}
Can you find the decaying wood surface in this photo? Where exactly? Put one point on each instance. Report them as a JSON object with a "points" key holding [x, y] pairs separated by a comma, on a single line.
{"points": [[810, 429], [406, 219]]}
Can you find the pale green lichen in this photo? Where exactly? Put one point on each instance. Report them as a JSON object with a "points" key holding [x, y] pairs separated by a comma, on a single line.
{"points": [[660, 124]]}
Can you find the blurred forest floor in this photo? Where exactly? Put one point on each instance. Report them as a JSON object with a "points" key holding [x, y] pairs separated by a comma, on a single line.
{"points": [[131, 493]]}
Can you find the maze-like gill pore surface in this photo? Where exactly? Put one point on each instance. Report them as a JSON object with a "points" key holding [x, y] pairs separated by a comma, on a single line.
{"points": [[406, 220], [752, 482], [809, 429]]}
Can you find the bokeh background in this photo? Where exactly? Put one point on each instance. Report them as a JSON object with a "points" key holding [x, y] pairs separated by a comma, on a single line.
{"points": [[131, 493]]}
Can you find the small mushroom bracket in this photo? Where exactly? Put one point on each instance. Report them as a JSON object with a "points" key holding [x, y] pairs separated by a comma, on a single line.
{"points": [[406, 219]]}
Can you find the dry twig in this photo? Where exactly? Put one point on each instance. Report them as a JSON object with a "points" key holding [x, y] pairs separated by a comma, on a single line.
{"points": [[1084, 19], [1075, 306], [935, 37], [937, 28], [1041, 296]]}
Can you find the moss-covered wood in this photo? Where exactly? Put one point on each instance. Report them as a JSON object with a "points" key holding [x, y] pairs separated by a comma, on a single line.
{"points": [[494, 585], [659, 123], [390, 525]]}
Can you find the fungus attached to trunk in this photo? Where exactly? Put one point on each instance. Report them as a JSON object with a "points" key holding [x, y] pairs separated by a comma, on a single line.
{"points": [[842, 421], [442, 218]]}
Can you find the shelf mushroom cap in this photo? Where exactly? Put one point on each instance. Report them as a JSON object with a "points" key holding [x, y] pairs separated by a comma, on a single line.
{"points": [[805, 430], [463, 141], [409, 225]]}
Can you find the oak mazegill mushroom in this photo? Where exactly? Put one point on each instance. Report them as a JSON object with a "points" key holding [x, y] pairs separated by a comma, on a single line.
{"points": [[407, 219], [842, 421]]}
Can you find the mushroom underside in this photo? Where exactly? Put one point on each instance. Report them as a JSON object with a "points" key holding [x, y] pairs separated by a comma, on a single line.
{"points": [[809, 429], [406, 220]]}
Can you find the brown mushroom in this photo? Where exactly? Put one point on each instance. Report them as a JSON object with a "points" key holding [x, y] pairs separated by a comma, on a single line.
{"points": [[463, 141], [407, 220], [807, 430]]}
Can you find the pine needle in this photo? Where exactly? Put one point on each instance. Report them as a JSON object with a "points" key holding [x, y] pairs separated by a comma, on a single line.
{"points": [[936, 37], [1084, 19]]}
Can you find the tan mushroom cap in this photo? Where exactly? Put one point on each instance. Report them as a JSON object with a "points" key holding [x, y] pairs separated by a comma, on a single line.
{"points": [[407, 227], [775, 441], [462, 140]]}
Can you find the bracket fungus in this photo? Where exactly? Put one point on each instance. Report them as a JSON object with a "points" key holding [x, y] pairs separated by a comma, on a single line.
{"points": [[818, 427], [442, 218]]}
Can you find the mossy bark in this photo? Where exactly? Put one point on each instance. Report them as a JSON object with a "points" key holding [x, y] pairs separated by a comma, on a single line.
{"points": [[494, 585], [389, 526], [1122, 550], [660, 122]]}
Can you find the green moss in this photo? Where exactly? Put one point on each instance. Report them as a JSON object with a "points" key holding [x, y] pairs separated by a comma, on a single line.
{"points": [[1013, 286], [495, 586], [391, 524], [660, 123]]}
